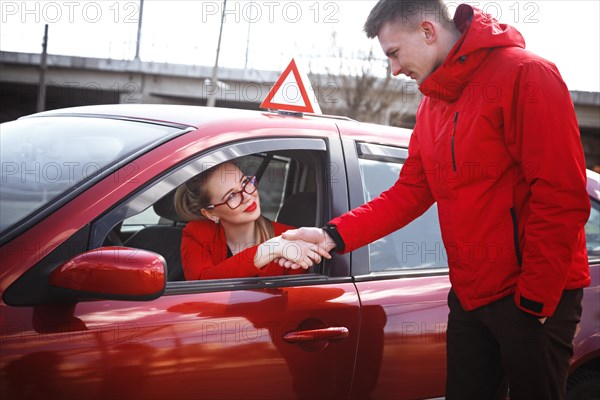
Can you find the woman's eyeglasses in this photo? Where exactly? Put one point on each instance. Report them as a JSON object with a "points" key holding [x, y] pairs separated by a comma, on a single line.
{"points": [[234, 200]]}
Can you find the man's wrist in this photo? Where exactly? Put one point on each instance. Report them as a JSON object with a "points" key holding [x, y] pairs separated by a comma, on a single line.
{"points": [[331, 231]]}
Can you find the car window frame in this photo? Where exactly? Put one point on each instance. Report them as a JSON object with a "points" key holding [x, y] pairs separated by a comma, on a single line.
{"points": [[335, 270], [146, 196], [594, 206]]}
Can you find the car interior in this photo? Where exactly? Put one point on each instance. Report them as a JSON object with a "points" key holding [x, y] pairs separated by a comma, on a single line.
{"points": [[290, 185]]}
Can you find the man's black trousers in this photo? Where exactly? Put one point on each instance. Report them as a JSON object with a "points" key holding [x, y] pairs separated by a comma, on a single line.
{"points": [[498, 346]]}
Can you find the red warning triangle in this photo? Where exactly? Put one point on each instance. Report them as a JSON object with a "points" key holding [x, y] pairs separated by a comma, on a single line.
{"points": [[290, 92]]}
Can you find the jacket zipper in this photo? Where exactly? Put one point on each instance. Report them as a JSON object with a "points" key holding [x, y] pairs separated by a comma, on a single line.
{"points": [[452, 141], [513, 215]]}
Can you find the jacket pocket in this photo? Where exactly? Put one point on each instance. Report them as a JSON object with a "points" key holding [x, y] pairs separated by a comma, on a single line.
{"points": [[513, 215]]}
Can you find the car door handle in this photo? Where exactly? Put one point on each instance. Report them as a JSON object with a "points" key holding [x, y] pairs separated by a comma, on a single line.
{"points": [[332, 333]]}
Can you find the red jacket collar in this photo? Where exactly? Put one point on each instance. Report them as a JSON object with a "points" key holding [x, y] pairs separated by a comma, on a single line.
{"points": [[480, 34]]}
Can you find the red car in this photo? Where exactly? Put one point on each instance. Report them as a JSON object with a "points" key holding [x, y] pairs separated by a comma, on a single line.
{"points": [[94, 304]]}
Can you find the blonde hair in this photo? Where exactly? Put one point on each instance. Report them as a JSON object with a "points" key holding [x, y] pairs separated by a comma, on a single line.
{"points": [[193, 196]]}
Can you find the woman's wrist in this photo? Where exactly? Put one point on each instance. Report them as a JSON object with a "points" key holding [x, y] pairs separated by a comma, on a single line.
{"points": [[267, 252]]}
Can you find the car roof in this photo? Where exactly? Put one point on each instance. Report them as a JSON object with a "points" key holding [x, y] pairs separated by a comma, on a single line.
{"points": [[199, 116], [194, 116]]}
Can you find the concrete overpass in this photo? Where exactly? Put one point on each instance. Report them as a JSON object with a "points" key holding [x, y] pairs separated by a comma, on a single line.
{"points": [[76, 81], [73, 81]]}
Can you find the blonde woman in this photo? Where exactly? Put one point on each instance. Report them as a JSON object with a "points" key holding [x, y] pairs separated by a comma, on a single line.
{"points": [[226, 236]]}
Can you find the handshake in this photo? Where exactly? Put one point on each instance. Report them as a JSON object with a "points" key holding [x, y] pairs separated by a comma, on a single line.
{"points": [[302, 247]]}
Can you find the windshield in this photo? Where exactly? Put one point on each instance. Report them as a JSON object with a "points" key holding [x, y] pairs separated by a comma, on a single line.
{"points": [[44, 158]]}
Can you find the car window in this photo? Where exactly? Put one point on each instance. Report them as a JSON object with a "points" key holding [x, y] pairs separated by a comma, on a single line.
{"points": [[45, 158], [592, 232], [419, 244], [146, 218], [149, 220]]}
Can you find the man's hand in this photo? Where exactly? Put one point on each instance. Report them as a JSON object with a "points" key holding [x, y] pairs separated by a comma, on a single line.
{"points": [[311, 235], [302, 254], [298, 253]]}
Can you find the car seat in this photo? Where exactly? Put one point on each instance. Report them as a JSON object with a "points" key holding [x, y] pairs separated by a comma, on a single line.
{"points": [[164, 238], [300, 209]]}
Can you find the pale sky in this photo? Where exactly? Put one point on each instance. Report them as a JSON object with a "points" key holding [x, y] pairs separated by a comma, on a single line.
{"points": [[266, 34]]}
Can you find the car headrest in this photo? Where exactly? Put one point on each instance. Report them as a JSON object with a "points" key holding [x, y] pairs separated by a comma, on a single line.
{"points": [[165, 207], [300, 209]]}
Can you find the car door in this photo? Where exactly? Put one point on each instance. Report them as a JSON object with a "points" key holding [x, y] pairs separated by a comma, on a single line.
{"points": [[272, 337], [402, 281]]}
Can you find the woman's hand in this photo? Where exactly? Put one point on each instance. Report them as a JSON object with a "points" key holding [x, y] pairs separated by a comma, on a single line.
{"points": [[300, 253]]}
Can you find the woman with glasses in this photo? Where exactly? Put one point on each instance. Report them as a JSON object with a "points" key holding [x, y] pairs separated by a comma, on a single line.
{"points": [[227, 237]]}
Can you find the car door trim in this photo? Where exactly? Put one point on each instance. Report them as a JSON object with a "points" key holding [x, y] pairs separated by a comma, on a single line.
{"points": [[380, 152], [417, 273], [236, 284]]}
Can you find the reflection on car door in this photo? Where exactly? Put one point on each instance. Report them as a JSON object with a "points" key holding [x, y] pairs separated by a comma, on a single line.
{"points": [[218, 345], [411, 315]]}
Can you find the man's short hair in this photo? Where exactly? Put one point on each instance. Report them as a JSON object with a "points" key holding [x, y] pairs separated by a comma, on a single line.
{"points": [[409, 13]]}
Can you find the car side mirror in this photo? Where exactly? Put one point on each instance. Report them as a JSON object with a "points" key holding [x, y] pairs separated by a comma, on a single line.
{"points": [[115, 273]]}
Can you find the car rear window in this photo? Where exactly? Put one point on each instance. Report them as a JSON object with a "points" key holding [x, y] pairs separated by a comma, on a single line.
{"points": [[419, 244], [44, 158]]}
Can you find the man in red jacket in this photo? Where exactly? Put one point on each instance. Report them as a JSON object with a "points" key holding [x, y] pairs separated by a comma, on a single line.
{"points": [[496, 145]]}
